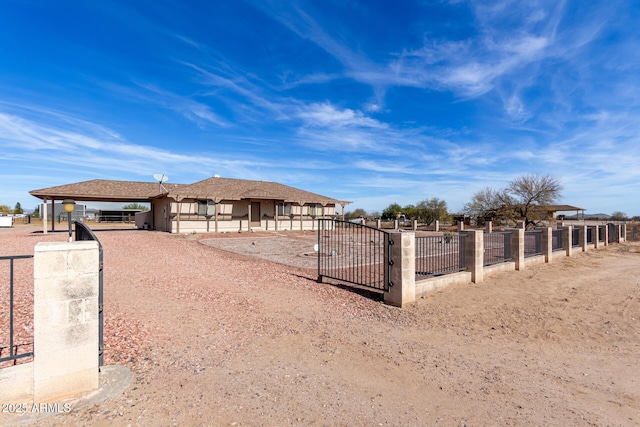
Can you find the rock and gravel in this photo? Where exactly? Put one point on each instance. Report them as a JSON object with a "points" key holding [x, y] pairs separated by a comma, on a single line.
{"points": [[217, 335]]}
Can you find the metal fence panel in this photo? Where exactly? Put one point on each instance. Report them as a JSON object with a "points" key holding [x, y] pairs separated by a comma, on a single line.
{"points": [[575, 237], [13, 348], [497, 247], [437, 255], [532, 243], [557, 237]]}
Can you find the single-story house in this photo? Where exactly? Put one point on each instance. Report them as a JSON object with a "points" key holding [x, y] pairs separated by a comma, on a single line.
{"points": [[211, 205]]}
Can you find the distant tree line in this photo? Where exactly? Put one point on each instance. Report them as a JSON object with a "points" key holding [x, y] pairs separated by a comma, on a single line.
{"points": [[523, 199], [426, 212]]}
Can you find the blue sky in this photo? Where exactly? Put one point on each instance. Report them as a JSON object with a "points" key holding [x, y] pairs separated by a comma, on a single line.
{"points": [[369, 101]]}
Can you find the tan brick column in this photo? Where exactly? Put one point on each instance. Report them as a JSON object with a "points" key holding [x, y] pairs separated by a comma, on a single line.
{"points": [[517, 247], [583, 237], [403, 270], [474, 254], [567, 239], [65, 319], [547, 243]]}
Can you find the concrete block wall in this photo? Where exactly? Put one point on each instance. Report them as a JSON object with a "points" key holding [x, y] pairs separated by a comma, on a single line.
{"points": [[406, 288]]}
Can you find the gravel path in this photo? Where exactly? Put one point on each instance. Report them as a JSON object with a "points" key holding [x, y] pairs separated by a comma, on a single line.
{"points": [[222, 338]]}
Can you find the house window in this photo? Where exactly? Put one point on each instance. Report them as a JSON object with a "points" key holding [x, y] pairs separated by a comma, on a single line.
{"points": [[284, 209], [315, 210], [206, 207]]}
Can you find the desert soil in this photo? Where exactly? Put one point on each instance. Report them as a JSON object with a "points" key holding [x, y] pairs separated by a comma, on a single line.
{"points": [[217, 335]]}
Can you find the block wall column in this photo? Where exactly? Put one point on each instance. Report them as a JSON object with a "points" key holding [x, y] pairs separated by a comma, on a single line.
{"points": [[547, 244], [567, 239], [403, 270], [65, 319], [474, 254], [517, 247]]}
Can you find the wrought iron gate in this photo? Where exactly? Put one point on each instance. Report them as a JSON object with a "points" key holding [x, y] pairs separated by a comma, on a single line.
{"points": [[354, 253], [84, 233]]}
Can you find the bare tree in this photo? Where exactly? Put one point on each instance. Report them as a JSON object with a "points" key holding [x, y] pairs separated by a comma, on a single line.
{"points": [[619, 216], [523, 199], [486, 202], [530, 193]]}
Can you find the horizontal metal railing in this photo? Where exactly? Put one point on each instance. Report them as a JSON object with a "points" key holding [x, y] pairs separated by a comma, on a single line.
{"points": [[497, 247], [532, 243], [437, 255], [13, 347]]}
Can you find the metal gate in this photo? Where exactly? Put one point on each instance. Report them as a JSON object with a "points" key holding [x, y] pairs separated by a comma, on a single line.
{"points": [[354, 253], [14, 348], [84, 233]]}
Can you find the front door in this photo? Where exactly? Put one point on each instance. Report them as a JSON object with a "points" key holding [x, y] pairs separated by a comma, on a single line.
{"points": [[255, 214]]}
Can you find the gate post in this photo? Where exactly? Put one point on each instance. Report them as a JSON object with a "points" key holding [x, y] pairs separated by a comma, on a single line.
{"points": [[402, 273], [65, 319]]}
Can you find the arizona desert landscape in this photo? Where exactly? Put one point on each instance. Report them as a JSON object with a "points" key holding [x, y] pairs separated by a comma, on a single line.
{"points": [[216, 335]]}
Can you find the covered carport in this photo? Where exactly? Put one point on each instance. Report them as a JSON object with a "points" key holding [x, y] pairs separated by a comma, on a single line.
{"points": [[96, 190], [553, 210]]}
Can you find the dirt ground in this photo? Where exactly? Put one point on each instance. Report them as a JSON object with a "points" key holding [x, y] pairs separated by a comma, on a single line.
{"points": [[216, 335]]}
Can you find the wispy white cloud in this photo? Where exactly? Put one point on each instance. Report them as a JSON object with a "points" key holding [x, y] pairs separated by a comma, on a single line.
{"points": [[325, 114]]}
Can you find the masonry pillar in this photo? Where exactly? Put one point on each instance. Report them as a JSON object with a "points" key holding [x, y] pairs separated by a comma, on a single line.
{"points": [[474, 254], [606, 235], [623, 232], [583, 237], [596, 236], [488, 227], [378, 224], [461, 226], [567, 239], [547, 244], [395, 224], [436, 225], [403, 270], [517, 247], [414, 224], [65, 319]]}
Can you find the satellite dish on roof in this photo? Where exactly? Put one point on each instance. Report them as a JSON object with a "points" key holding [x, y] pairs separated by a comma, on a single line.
{"points": [[160, 177]]}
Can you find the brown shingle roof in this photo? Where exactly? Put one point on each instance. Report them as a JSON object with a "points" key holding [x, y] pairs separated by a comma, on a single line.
{"points": [[101, 190], [236, 189]]}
